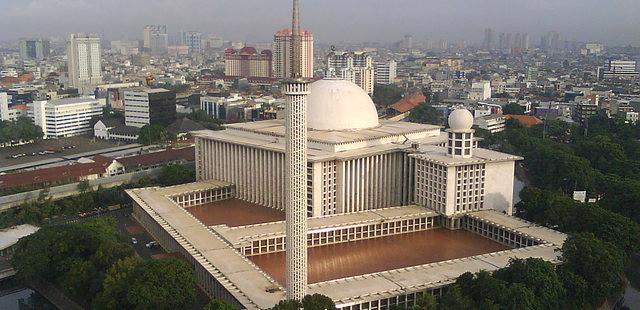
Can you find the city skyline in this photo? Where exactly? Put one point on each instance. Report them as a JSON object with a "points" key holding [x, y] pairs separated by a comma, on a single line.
{"points": [[379, 21]]}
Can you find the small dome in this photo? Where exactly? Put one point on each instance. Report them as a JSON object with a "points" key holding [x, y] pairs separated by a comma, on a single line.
{"points": [[340, 105], [460, 120]]}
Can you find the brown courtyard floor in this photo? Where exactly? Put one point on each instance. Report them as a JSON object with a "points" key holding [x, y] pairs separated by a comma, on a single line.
{"points": [[235, 212], [374, 255]]}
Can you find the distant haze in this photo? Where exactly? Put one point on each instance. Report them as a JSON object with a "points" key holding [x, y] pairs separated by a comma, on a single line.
{"points": [[612, 22]]}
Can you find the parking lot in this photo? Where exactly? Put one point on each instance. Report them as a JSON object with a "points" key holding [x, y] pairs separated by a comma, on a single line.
{"points": [[35, 151]]}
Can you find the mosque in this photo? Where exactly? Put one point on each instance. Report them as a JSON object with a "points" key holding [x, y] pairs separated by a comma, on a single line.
{"points": [[394, 209]]}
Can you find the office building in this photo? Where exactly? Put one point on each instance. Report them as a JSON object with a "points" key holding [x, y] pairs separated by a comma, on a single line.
{"points": [[356, 67], [407, 42], [147, 106], [65, 117], [623, 69], [37, 49], [192, 39], [155, 39], [148, 31], [4, 107], [247, 62], [489, 39], [282, 54], [480, 90], [84, 61], [386, 72]]}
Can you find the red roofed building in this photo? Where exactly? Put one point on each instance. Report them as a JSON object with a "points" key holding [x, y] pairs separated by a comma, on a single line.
{"points": [[100, 167], [247, 62], [526, 120], [158, 159], [407, 103]]}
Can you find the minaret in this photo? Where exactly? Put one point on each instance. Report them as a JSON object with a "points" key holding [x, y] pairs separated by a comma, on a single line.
{"points": [[296, 90]]}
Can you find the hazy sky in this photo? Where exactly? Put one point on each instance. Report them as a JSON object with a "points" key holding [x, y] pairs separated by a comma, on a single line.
{"points": [[612, 22]]}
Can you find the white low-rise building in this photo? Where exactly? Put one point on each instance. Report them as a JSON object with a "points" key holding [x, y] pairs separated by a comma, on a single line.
{"points": [[65, 117], [493, 123]]}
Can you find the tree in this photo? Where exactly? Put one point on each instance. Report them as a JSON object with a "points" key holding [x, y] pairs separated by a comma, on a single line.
{"points": [[513, 109], [84, 186], [309, 302], [176, 174], [425, 114], [116, 284], [454, 299], [288, 305], [539, 277], [317, 302], [426, 301], [598, 263], [217, 304], [151, 134], [162, 284], [386, 94]]}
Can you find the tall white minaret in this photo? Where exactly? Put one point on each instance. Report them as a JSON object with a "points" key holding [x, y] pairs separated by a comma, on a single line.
{"points": [[296, 90]]}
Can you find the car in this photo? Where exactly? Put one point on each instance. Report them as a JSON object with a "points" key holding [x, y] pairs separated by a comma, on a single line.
{"points": [[152, 244], [134, 240]]}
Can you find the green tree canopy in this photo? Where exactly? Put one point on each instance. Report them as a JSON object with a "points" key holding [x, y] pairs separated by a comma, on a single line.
{"points": [[162, 284], [151, 134], [513, 109], [386, 94], [425, 114], [176, 174], [598, 263]]}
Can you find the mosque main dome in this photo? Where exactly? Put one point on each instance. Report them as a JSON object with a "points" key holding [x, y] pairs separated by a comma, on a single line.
{"points": [[339, 105]]}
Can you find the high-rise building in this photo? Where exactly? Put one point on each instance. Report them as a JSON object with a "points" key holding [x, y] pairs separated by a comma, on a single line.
{"points": [[84, 61], [386, 72], [407, 42], [149, 107], [66, 117], [155, 39], [34, 49], [148, 31], [192, 39], [247, 62], [282, 54], [356, 67], [489, 39]]}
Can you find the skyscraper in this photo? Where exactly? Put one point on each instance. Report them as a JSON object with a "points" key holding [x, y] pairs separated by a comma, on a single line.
{"points": [[489, 39], [296, 90], [84, 61], [192, 39], [34, 49], [282, 57], [155, 39]]}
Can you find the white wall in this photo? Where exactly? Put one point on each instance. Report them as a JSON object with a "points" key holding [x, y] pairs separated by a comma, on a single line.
{"points": [[498, 186]]}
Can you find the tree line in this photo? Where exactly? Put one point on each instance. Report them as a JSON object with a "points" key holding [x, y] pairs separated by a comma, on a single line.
{"points": [[20, 129], [45, 210]]}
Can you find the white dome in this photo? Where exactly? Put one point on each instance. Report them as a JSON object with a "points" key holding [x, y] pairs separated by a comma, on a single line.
{"points": [[460, 120], [340, 105]]}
